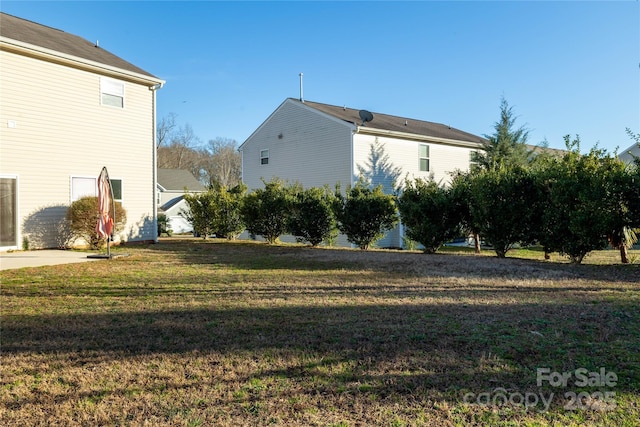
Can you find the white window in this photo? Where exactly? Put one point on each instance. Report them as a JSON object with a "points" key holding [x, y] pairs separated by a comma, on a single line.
{"points": [[87, 186], [423, 154], [112, 92], [264, 157]]}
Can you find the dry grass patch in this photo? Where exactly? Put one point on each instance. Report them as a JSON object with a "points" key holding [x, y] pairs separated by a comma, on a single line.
{"points": [[193, 333]]}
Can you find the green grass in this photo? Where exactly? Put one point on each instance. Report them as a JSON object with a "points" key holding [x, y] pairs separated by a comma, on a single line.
{"points": [[190, 332]]}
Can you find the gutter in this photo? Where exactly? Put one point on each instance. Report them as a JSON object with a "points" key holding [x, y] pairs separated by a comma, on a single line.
{"points": [[154, 172], [416, 137]]}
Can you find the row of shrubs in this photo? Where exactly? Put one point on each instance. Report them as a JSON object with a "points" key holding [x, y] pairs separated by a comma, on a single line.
{"points": [[572, 204]]}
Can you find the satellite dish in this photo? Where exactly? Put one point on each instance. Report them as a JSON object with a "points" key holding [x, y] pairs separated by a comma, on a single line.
{"points": [[366, 116]]}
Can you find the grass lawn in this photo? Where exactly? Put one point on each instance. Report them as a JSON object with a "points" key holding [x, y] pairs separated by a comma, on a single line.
{"points": [[189, 332]]}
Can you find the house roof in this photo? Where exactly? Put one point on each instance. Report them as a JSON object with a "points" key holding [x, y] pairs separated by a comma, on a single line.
{"points": [[178, 180], [395, 123], [32, 33]]}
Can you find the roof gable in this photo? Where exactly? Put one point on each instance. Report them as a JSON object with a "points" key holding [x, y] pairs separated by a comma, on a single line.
{"points": [[32, 33]]}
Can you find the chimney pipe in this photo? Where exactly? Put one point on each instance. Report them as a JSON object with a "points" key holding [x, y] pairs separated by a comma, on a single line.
{"points": [[301, 93]]}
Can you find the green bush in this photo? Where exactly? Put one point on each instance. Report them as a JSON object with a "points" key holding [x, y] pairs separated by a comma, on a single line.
{"points": [[365, 214], [504, 204], [265, 211], [201, 213], [163, 225], [227, 220], [83, 217], [311, 216], [429, 214]]}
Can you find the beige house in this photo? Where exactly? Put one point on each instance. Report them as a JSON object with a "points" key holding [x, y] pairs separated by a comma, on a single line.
{"points": [[67, 108]]}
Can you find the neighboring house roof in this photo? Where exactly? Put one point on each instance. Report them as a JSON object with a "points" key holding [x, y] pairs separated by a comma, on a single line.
{"points": [[395, 123], [171, 203], [34, 34], [178, 180]]}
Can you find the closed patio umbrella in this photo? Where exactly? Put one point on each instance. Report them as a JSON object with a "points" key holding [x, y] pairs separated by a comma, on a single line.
{"points": [[106, 209]]}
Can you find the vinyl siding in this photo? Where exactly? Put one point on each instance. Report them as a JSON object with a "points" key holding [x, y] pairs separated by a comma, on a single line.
{"points": [[304, 146], [62, 130], [404, 154]]}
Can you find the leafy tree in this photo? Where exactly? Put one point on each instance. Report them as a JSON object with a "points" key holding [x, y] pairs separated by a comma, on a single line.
{"points": [[83, 216], [430, 214], [507, 146], [364, 214], [265, 211], [311, 216], [575, 215], [201, 213], [461, 198], [621, 203], [504, 205], [227, 220]]}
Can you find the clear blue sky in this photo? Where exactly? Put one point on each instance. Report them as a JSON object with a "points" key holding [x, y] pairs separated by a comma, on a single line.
{"points": [[565, 67]]}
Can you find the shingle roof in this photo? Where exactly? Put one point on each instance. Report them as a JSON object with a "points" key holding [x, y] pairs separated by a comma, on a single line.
{"points": [[396, 123], [178, 180], [40, 35]]}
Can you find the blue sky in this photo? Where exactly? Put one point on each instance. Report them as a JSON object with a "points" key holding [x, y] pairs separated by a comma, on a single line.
{"points": [[565, 67]]}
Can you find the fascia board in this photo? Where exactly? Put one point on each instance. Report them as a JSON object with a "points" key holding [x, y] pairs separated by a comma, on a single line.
{"points": [[333, 118], [415, 137], [49, 55]]}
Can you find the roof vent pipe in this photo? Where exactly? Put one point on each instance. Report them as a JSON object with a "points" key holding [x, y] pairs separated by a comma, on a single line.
{"points": [[301, 93]]}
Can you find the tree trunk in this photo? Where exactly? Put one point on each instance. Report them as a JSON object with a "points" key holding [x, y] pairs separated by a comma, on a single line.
{"points": [[476, 240], [624, 254]]}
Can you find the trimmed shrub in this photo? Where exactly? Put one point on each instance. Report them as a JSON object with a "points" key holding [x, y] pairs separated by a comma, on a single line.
{"points": [[83, 216]]}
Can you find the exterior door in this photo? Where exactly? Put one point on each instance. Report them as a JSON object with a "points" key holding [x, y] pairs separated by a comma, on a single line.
{"points": [[8, 212]]}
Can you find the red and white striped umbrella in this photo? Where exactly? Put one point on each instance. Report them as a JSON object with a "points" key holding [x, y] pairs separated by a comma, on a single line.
{"points": [[105, 220]]}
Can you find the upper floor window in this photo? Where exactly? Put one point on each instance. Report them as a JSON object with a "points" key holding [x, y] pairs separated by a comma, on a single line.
{"points": [[423, 154], [111, 92], [264, 157]]}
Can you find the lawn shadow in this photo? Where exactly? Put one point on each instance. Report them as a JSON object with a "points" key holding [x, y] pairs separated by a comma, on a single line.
{"points": [[393, 348]]}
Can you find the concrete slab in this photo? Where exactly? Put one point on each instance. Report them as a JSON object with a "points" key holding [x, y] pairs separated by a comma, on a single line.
{"points": [[21, 259]]}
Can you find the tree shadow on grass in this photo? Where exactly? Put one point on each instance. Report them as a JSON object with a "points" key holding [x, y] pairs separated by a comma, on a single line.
{"points": [[436, 347]]}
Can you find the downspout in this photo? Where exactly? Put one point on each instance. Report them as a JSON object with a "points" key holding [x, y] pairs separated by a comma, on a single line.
{"points": [[154, 140]]}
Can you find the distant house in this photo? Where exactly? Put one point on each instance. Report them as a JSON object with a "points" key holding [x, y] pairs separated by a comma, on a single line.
{"points": [[630, 154], [319, 144], [68, 107], [172, 185]]}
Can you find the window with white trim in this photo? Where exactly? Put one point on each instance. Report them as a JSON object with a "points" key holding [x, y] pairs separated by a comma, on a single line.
{"points": [[264, 157], [423, 155], [111, 92], [87, 186]]}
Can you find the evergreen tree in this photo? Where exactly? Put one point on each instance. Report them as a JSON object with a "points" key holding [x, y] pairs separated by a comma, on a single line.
{"points": [[507, 146]]}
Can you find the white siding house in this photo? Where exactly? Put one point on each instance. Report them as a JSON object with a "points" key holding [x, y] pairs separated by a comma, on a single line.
{"points": [[319, 144], [172, 186], [630, 153], [68, 108]]}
